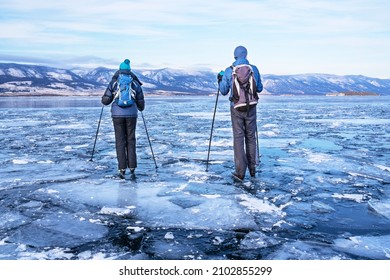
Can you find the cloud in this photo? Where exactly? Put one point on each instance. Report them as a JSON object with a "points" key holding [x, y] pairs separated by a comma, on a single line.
{"points": [[25, 59], [179, 33]]}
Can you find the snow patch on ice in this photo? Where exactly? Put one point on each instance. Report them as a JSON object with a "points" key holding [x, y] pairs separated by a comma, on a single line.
{"points": [[169, 236], [211, 196], [20, 161], [71, 126], [382, 167], [260, 206], [270, 125], [356, 197], [219, 143], [53, 254], [190, 170], [365, 176], [49, 191], [135, 229], [99, 256], [269, 133], [318, 157], [116, 211], [45, 162], [218, 240]]}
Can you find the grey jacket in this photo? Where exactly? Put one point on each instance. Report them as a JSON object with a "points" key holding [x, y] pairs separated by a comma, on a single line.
{"points": [[109, 97]]}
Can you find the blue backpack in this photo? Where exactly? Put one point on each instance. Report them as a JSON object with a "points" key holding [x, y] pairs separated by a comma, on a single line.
{"points": [[125, 95]]}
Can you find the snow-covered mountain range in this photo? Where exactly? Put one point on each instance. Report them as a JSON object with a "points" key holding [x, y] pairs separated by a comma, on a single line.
{"points": [[36, 79]]}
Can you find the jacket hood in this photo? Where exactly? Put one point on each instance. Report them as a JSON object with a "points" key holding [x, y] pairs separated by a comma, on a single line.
{"points": [[240, 52]]}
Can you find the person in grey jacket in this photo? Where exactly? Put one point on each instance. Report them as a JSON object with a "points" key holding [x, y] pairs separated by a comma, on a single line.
{"points": [[125, 119], [243, 122]]}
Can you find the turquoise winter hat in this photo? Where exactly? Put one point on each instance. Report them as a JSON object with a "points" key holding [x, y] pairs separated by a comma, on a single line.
{"points": [[125, 65]]}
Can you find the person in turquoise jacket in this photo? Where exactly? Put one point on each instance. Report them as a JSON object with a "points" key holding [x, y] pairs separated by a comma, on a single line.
{"points": [[125, 119], [243, 122]]}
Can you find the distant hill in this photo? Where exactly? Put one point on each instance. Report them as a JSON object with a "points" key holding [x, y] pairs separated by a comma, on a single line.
{"points": [[35, 79], [323, 84]]}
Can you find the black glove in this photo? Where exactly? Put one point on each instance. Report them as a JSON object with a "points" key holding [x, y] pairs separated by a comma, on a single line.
{"points": [[220, 75], [107, 97]]}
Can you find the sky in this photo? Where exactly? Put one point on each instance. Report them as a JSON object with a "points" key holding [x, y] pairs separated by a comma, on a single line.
{"points": [[346, 37]]}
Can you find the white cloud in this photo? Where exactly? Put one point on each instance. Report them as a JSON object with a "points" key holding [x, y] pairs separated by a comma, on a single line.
{"points": [[289, 34]]}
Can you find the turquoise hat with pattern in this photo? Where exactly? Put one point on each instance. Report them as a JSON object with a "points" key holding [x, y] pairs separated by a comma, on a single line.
{"points": [[125, 65]]}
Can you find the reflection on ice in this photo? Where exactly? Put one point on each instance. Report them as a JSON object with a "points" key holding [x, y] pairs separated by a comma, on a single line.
{"points": [[159, 207], [355, 197], [58, 230]]}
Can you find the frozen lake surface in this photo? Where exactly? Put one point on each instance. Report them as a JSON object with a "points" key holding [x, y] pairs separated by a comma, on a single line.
{"points": [[321, 190]]}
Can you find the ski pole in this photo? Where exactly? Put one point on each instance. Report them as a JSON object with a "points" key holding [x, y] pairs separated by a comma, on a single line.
{"points": [[97, 131], [150, 144], [211, 133], [258, 146]]}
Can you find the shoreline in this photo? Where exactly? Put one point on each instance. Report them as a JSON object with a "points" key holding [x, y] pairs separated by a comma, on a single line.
{"points": [[172, 94]]}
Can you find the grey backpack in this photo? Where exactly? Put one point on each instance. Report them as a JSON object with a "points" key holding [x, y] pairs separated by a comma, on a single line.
{"points": [[244, 94]]}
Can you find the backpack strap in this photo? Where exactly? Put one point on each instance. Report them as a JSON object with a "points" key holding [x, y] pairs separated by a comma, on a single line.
{"points": [[133, 92], [135, 78]]}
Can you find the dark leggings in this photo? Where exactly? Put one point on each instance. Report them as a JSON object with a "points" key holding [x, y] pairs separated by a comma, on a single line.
{"points": [[125, 142]]}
